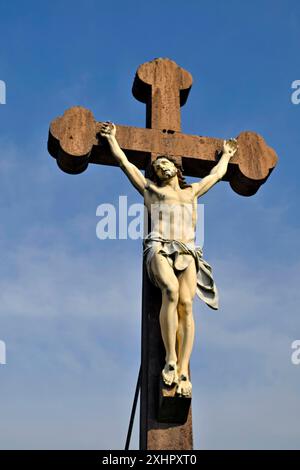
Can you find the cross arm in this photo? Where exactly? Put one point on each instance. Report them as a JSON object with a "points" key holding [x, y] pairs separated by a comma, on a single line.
{"points": [[74, 140]]}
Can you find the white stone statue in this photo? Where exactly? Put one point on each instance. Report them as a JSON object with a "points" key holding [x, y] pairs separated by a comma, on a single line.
{"points": [[173, 262]]}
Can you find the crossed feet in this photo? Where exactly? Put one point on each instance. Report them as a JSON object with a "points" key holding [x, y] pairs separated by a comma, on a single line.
{"points": [[170, 376]]}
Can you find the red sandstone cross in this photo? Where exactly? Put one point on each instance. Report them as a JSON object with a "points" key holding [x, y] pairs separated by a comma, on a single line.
{"points": [[165, 420]]}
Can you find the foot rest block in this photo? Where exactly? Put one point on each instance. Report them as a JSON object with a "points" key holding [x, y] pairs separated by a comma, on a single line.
{"points": [[172, 408]]}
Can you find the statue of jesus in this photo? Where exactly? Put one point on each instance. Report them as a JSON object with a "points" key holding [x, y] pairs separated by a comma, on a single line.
{"points": [[174, 264]]}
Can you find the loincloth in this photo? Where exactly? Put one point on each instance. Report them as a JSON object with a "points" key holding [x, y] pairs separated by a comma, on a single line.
{"points": [[179, 256]]}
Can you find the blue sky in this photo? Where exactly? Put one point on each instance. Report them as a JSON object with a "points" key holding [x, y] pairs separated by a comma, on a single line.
{"points": [[70, 303]]}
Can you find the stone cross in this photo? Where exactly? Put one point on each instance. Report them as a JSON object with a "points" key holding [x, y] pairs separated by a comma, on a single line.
{"points": [[165, 420]]}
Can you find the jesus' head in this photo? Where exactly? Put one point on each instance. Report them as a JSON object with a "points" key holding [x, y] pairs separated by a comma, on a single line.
{"points": [[165, 168]]}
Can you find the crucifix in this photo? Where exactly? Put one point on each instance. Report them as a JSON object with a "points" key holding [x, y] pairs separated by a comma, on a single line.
{"points": [[171, 264]]}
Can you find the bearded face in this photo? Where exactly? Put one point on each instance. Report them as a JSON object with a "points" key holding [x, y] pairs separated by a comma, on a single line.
{"points": [[164, 169]]}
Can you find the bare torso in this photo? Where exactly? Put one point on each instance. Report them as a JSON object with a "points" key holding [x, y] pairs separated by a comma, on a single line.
{"points": [[173, 211]]}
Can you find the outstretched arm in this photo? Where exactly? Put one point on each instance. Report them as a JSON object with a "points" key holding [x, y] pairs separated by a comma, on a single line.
{"points": [[218, 171], [108, 131]]}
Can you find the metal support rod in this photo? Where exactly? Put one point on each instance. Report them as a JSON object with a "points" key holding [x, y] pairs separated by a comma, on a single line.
{"points": [[136, 395]]}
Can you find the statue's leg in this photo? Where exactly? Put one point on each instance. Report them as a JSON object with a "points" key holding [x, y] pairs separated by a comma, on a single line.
{"points": [[186, 328], [168, 283]]}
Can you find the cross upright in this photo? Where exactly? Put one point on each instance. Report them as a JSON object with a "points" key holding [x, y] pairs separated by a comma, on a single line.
{"points": [[75, 141]]}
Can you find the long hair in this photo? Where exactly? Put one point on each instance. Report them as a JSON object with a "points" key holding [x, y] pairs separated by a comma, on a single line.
{"points": [[181, 179]]}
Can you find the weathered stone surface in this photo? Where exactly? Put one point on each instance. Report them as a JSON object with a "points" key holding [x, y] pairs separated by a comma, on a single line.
{"points": [[164, 87], [71, 138], [74, 141]]}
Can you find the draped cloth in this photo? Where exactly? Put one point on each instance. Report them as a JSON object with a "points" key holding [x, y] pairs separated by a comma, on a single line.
{"points": [[179, 256]]}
